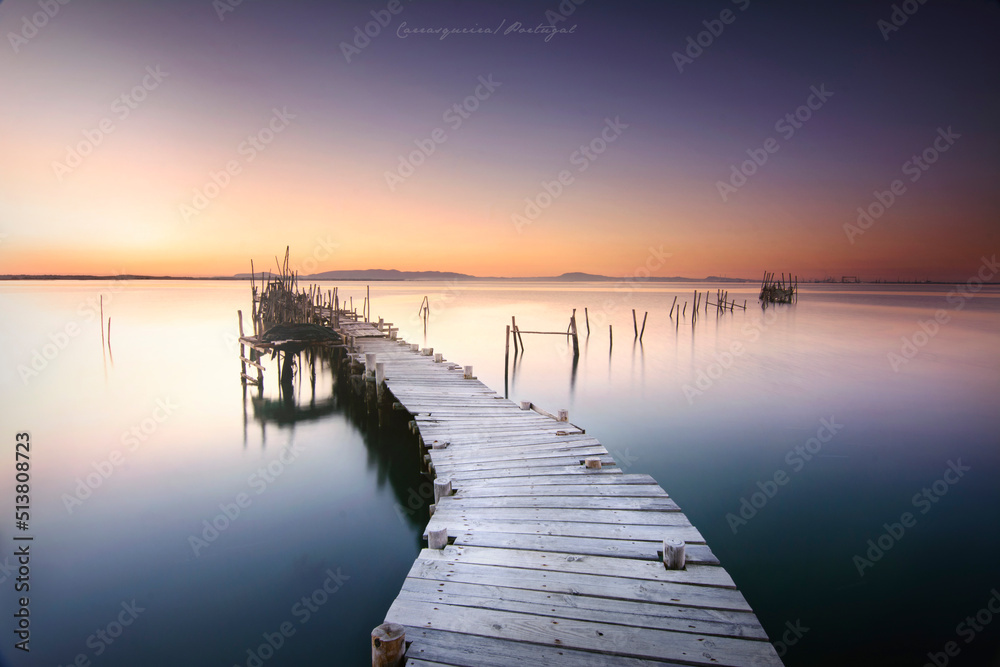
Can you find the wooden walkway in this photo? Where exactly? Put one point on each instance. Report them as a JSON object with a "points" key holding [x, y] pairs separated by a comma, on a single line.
{"points": [[548, 562]]}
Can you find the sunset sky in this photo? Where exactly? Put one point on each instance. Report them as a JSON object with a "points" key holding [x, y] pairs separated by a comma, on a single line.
{"points": [[278, 71]]}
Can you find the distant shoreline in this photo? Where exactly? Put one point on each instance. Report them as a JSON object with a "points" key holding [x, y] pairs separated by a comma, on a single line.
{"points": [[466, 278]]}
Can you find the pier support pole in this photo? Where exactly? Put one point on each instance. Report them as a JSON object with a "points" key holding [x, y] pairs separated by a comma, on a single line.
{"points": [[673, 554], [506, 364], [379, 380], [437, 539], [388, 645], [576, 339], [442, 489]]}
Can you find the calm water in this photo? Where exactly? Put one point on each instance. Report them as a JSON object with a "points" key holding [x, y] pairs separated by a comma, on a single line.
{"points": [[131, 456]]}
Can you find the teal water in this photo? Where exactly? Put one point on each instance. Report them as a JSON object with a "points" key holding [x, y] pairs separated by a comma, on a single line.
{"points": [[716, 411]]}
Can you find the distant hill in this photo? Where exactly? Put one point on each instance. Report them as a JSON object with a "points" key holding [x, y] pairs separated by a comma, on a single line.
{"points": [[379, 274], [575, 276]]}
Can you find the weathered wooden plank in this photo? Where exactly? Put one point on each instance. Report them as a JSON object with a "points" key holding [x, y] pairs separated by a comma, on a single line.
{"points": [[435, 567], [455, 503], [445, 466], [606, 531], [630, 517], [495, 473], [472, 651], [600, 637], [620, 612], [525, 554], [582, 489]]}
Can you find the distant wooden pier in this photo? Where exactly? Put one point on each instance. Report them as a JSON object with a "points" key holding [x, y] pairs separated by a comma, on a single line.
{"points": [[541, 549]]}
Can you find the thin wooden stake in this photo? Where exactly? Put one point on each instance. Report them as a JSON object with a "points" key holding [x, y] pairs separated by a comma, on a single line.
{"points": [[643, 330], [102, 322]]}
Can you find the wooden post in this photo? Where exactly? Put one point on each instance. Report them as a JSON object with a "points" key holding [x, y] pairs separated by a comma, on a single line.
{"points": [[673, 554], [468, 373], [506, 346], [379, 379], [592, 464], [586, 318], [442, 489], [576, 340], [438, 357], [634, 325], [611, 338], [672, 308], [414, 347], [437, 539], [369, 363], [388, 645], [513, 327], [368, 302], [243, 355], [525, 405], [643, 330], [563, 416]]}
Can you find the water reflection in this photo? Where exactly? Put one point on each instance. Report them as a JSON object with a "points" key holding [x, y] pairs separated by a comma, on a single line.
{"points": [[392, 450]]}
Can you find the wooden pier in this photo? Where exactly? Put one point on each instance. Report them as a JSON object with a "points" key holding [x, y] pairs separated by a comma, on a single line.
{"points": [[542, 551]]}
